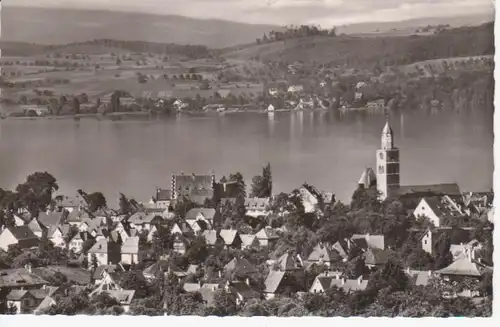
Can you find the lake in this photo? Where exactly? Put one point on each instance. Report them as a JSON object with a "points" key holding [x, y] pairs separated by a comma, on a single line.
{"points": [[322, 148]]}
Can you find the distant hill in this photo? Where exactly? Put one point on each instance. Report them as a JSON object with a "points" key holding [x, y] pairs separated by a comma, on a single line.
{"points": [[61, 26], [368, 51], [410, 26]]}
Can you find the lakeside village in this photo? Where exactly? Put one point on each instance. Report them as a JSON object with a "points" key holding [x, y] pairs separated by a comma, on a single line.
{"points": [[203, 246], [278, 96]]}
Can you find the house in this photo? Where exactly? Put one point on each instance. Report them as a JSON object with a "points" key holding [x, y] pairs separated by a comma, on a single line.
{"points": [[123, 297], [431, 237], [411, 195], [375, 258], [241, 291], [288, 262], [257, 207], [323, 254], [464, 266], [419, 277], [130, 253], [439, 210], [56, 236], [75, 217], [22, 219], [248, 241], [231, 238], [46, 303], [267, 236], [35, 110], [209, 215], [181, 227], [327, 280], [90, 225], [70, 204], [162, 199], [310, 197], [19, 235], [101, 273], [20, 279], [23, 300], [199, 226], [477, 202], [272, 283], [240, 266], [211, 237], [367, 241], [105, 252], [36, 228], [51, 219], [270, 108], [196, 188], [143, 221], [76, 243], [181, 244], [368, 179], [159, 267]]}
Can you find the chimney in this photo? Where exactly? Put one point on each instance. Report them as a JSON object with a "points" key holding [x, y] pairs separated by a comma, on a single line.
{"points": [[343, 281], [247, 281]]}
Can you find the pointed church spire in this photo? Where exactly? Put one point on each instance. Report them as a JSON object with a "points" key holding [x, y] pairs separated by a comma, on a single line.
{"points": [[387, 135]]}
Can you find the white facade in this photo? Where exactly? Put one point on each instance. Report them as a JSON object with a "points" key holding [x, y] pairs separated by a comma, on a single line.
{"points": [[424, 210]]}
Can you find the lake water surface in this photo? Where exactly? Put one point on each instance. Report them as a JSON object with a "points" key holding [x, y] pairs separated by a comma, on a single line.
{"points": [[320, 148]]}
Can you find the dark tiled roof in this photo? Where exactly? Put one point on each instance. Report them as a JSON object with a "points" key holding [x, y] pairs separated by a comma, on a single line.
{"points": [[273, 281], [22, 233], [51, 218], [241, 266], [19, 277], [437, 189], [376, 257]]}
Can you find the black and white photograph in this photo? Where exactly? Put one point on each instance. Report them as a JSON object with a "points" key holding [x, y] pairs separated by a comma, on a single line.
{"points": [[247, 158]]}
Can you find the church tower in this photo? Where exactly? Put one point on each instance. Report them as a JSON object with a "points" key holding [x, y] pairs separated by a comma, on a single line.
{"points": [[387, 163]]}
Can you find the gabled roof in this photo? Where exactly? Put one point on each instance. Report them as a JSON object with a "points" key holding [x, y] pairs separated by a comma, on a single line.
{"points": [[372, 241], [322, 252], [46, 303], [77, 216], [288, 262], [376, 257], [208, 213], [155, 268], [100, 246], [463, 266], [22, 233], [350, 285], [267, 233], [19, 277], [124, 297], [256, 203], [311, 189], [241, 266], [228, 236], [273, 281], [34, 226], [183, 227], [210, 237], [108, 268], [131, 245], [16, 295], [244, 290], [436, 189], [140, 218], [248, 239], [444, 207], [48, 219]]}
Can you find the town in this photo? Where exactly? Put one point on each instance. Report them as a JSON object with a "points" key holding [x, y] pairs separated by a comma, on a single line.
{"points": [[209, 245]]}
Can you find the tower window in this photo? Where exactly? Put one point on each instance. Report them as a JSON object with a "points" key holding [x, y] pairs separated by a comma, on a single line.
{"points": [[381, 155], [380, 169]]}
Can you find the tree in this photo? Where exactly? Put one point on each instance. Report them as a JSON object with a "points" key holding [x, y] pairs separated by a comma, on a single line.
{"points": [[125, 206], [224, 304], [134, 280], [96, 201], [391, 276], [76, 106], [262, 185], [36, 193]]}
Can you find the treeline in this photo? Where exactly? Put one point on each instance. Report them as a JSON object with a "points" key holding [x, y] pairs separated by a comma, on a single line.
{"points": [[296, 32], [188, 51]]}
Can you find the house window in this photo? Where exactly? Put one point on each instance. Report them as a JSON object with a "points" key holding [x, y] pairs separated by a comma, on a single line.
{"points": [[425, 242]]}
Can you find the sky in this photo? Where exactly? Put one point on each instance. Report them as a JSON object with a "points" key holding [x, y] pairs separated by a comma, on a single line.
{"points": [[323, 12]]}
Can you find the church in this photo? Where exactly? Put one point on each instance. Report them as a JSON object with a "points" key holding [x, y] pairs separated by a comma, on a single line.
{"points": [[386, 177]]}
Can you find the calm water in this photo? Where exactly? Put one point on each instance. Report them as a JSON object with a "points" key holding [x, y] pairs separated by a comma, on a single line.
{"points": [[319, 148]]}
